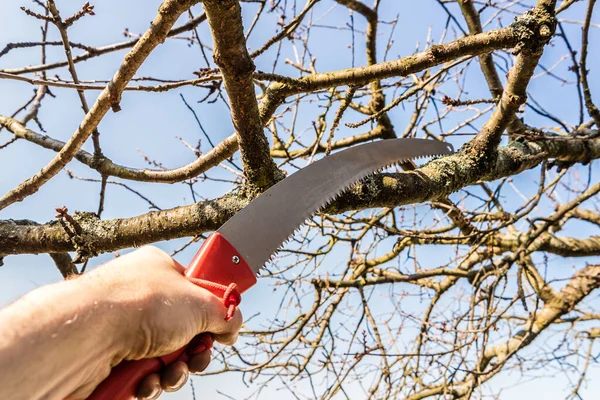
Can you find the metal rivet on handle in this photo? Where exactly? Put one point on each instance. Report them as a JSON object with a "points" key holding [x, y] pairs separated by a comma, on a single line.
{"points": [[235, 259]]}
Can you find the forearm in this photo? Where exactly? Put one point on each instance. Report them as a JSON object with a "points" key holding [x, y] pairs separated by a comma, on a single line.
{"points": [[55, 337], [60, 341]]}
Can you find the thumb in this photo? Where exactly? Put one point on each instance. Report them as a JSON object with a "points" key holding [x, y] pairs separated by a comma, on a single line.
{"points": [[229, 338]]}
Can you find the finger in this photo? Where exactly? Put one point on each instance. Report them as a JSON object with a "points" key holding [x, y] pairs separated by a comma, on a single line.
{"points": [[211, 318], [228, 339], [199, 362], [174, 376], [149, 388], [230, 336]]}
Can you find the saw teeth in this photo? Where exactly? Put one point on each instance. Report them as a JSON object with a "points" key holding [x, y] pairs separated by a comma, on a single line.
{"points": [[337, 195], [334, 196]]}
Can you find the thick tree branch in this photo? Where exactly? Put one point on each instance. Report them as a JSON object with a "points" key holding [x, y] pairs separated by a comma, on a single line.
{"points": [[438, 54], [435, 180], [449, 174], [63, 261], [231, 55], [586, 215], [539, 24], [98, 236]]}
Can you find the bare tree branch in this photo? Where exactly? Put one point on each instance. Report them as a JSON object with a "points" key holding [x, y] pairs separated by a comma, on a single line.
{"points": [[169, 11], [231, 55], [435, 180]]}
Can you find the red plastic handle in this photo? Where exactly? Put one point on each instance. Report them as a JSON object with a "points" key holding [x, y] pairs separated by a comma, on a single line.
{"points": [[216, 261]]}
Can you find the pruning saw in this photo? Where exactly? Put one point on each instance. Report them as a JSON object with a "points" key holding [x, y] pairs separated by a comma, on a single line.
{"points": [[230, 259]]}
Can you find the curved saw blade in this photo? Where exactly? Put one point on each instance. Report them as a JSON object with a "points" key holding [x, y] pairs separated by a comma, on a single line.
{"points": [[260, 228]]}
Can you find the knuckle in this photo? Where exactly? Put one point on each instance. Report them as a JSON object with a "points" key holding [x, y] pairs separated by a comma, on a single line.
{"points": [[153, 251]]}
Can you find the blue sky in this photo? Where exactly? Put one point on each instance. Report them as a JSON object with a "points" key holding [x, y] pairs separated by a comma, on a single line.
{"points": [[150, 123]]}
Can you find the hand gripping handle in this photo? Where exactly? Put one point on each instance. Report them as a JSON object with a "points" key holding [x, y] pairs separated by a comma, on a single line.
{"points": [[217, 267]]}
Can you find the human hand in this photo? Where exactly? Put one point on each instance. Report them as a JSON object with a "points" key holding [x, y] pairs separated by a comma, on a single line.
{"points": [[161, 312]]}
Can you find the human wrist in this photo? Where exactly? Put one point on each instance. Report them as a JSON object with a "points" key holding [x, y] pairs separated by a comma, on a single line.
{"points": [[72, 328]]}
